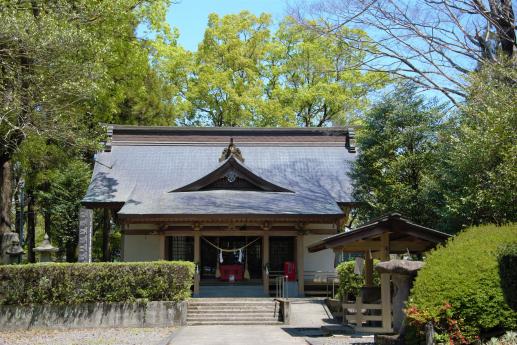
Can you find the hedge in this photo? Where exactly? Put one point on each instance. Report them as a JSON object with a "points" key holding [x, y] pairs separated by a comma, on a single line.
{"points": [[460, 284], [75, 283], [507, 260], [350, 283]]}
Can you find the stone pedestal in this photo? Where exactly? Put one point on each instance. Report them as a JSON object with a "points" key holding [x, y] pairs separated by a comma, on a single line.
{"points": [[402, 273]]}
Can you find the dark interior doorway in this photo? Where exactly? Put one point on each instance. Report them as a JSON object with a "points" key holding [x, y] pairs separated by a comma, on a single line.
{"points": [[210, 255]]}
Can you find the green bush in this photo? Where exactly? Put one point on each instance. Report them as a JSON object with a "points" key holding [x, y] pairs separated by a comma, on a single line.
{"points": [[74, 283], [507, 259], [351, 283], [464, 275]]}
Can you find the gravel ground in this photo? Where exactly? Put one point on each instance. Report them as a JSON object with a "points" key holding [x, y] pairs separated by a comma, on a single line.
{"points": [[104, 336]]}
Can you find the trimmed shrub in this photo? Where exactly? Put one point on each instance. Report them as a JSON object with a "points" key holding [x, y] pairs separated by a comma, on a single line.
{"points": [[507, 259], [464, 275], [75, 283], [350, 283]]}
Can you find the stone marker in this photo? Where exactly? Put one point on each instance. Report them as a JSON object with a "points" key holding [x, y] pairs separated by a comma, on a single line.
{"points": [[85, 235]]}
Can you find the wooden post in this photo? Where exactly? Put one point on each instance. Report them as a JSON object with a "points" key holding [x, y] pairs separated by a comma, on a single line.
{"points": [[368, 269], [106, 235], [386, 284], [265, 260], [300, 264], [162, 247], [197, 257]]}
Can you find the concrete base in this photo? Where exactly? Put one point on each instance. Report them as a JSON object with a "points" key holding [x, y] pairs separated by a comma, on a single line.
{"points": [[95, 315]]}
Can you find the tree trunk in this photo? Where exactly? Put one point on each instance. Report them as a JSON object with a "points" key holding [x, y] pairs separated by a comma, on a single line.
{"points": [[31, 226], [6, 190]]}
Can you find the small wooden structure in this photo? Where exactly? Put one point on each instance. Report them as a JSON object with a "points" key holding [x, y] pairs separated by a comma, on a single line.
{"points": [[389, 234]]}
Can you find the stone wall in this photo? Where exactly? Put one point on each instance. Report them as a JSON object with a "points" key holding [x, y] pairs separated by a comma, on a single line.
{"points": [[95, 315]]}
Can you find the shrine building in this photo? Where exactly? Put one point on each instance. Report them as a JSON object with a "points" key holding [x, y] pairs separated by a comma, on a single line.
{"points": [[244, 204]]}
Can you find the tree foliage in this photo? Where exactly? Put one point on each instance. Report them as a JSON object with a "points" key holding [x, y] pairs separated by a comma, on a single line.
{"points": [[464, 274], [479, 175], [243, 74], [65, 67], [398, 157]]}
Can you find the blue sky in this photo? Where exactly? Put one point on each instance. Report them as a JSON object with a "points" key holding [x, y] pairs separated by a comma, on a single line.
{"points": [[191, 16]]}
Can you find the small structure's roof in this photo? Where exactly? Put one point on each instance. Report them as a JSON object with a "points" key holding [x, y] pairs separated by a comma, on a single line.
{"points": [[168, 170], [404, 235]]}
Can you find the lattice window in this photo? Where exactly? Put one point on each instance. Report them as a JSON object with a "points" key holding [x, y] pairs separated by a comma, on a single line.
{"points": [[281, 250], [181, 248]]}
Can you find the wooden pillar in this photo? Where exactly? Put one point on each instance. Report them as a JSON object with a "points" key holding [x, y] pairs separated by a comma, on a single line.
{"points": [[106, 227], [386, 284], [162, 247], [265, 260], [300, 265], [385, 246], [197, 257], [368, 269]]}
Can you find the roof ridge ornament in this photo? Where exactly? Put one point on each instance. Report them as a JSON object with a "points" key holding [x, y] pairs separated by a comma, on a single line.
{"points": [[231, 150]]}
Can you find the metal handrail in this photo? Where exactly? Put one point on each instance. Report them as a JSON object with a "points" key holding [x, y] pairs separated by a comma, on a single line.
{"points": [[281, 288]]}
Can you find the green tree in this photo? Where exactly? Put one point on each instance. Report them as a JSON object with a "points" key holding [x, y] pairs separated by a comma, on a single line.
{"points": [[225, 85], [480, 161], [243, 74], [395, 170], [67, 65], [317, 78], [69, 183]]}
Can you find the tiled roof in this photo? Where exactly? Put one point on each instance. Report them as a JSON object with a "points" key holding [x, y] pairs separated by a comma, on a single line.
{"points": [[145, 171]]}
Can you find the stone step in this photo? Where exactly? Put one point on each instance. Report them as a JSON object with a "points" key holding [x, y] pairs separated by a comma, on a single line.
{"points": [[233, 303], [232, 311], [233, 318], [232, 308], [208, 323]]}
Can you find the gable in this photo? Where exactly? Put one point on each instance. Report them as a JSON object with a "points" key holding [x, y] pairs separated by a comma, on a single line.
{"points": [[231, 175]]}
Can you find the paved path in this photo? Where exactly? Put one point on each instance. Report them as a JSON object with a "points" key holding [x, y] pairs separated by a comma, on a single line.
{"points": [[307, 316], [235, 335]]}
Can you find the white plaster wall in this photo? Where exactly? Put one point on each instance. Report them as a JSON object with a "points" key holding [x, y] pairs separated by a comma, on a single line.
{"points": [[319, 261], [141, 247]]}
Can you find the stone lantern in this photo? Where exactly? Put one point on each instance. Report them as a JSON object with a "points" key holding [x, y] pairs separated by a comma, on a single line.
{"points": [[15, 251], [45, 249], [402, 274]]}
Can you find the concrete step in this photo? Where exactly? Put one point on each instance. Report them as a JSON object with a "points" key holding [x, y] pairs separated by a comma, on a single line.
{"points": [[233, 318], [251, 303], [233, 311], [207, 323], [230, 308], [226, 312]]}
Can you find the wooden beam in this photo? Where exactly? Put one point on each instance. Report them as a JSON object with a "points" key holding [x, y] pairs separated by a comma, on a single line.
{"points": [[220, 233]]}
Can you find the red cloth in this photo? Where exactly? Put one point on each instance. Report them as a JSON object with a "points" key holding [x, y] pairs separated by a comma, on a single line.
{"points": [[227, 270]]}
